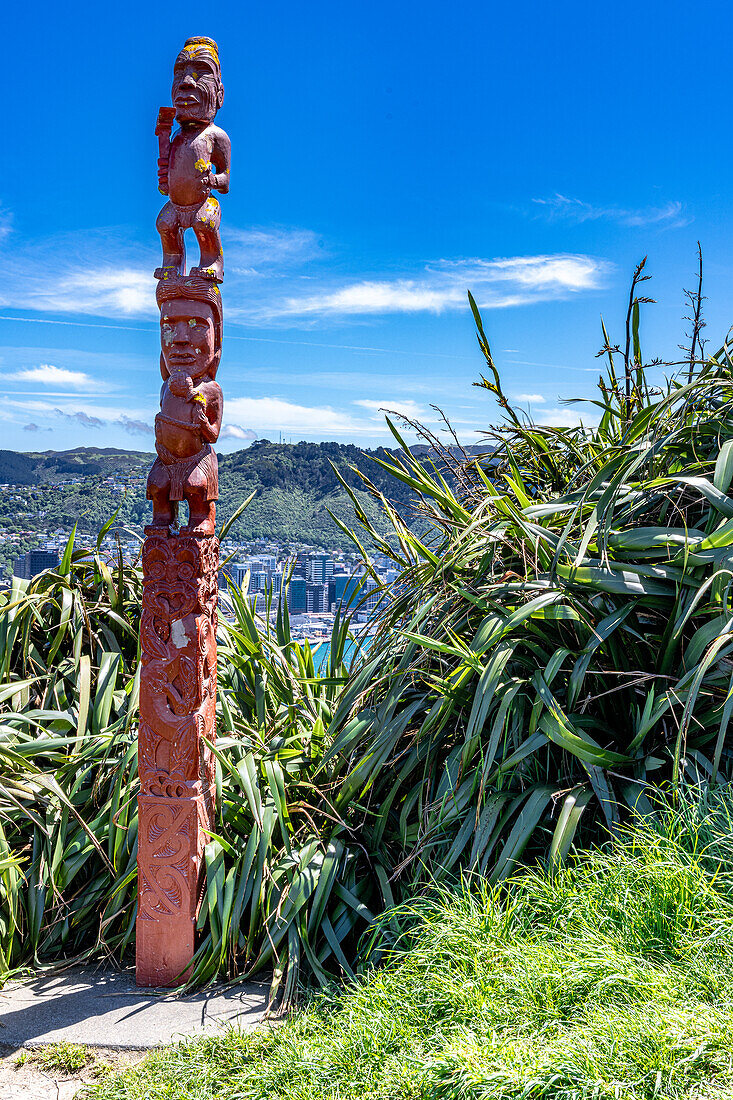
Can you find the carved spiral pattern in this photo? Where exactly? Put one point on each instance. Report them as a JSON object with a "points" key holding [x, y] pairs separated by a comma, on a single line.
{"points": [[177, 711], [167, 869]]}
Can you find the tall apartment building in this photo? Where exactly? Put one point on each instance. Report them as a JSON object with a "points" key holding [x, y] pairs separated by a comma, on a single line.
{"points": [[297, 596], [316, 597], [375, 597], [235, 571], [265, 562], [34, 562], [343, 590], [259, 580], [319, 568]]}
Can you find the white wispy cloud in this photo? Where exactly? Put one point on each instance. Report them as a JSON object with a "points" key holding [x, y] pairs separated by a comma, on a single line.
{"points": [[233, 431], [102, 291], [75, 410], [104, 273], [249, 418], [263, 414], [404, 407], [81, 417], [495, 283], [249, 251], [245, 418], [568, 416], [671, 214], [47, 375], [99, 272], [136, 427], [531, 398]]}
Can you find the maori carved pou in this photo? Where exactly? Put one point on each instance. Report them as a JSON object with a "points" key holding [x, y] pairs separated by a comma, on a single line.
{"points": [[180, 564]]}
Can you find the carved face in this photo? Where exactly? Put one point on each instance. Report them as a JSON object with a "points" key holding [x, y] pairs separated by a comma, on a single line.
{"points": [[187, 337], [197, 92]]}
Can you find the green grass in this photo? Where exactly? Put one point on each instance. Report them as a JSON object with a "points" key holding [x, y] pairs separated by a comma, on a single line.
{"points": [[612, 978], [57, 1058]]}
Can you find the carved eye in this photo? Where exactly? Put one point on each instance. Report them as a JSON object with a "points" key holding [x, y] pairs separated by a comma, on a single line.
{"points": [[155, 564], [185, 571]]}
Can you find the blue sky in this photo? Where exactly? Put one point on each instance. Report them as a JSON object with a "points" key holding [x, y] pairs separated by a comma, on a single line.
{"points": [[386, 157]]}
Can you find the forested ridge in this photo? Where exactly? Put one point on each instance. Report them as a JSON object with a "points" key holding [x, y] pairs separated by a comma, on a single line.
{"points": [[295, 486]]}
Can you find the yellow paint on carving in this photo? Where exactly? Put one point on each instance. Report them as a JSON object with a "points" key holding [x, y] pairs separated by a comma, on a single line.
{"points": [[202, 165], [202, 47], [200, 398]]}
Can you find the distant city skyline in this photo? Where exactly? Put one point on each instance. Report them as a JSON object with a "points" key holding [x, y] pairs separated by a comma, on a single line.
{"points": [[390, 158]]}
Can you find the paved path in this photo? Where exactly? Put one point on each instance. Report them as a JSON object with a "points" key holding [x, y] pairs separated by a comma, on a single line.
{"points": [[104, 1008]]}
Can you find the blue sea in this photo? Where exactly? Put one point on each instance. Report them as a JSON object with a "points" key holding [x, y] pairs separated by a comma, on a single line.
{"points": [[321, 651]]}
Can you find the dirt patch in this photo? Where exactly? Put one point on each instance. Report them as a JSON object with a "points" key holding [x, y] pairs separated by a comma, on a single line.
{"points": [[22, 1078]]}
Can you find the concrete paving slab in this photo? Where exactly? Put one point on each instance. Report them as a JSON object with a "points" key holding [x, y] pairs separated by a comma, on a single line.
{"points": [[104, 1008]]}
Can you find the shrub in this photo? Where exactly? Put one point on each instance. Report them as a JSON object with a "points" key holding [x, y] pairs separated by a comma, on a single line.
{"points": [[561, 638], [285, 884]]}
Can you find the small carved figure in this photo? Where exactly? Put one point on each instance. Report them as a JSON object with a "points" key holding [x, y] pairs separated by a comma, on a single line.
{"points": [[191, 404], [194, 163]]}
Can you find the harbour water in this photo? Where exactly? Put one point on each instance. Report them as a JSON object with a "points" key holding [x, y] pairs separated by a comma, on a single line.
{"points": [[321, 650]]}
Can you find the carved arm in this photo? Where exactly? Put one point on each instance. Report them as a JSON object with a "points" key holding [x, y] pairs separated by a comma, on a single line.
{"points": [[221, 155], [210, 411]]}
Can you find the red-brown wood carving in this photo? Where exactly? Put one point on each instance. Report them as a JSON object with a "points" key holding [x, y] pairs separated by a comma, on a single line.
{"points": [[180, 564]]}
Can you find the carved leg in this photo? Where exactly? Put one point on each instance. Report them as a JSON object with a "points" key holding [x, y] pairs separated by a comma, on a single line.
{"points": [[206, 227], [201, 513], [165, 510], [171, 238]]}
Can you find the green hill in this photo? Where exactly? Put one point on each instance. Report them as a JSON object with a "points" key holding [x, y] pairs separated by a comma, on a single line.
{"points": [[41, 467], [295, 486]]}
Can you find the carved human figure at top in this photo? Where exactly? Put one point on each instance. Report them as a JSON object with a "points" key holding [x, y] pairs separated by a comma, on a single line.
{"points": [[193, 163]]}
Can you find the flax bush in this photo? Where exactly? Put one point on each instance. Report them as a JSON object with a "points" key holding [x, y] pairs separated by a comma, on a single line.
{"points": [[558, 643], [285, 885], [560, 637]]}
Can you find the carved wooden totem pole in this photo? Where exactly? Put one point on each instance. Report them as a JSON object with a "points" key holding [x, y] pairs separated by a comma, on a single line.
{"points": [[180, 564]]}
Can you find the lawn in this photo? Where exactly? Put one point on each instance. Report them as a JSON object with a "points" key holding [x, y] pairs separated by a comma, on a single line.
{"points": [[611, 978]]}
